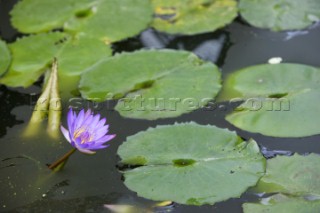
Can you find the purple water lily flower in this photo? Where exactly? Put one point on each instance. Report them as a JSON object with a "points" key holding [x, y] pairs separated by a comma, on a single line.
{"points": [[86, 132]]}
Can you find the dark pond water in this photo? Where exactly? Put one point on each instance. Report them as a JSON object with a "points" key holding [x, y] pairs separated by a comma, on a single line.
{"points": [[88, 182]]}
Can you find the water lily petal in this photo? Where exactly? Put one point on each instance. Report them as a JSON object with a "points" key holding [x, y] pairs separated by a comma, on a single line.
{"points": [[99, 147], [79, 120], [88, 115], [87, 122], [65, 133], [89, 112], [99, 133], [86, 151], [101, 123], [95, 121], [105, 139], [70, 119]]}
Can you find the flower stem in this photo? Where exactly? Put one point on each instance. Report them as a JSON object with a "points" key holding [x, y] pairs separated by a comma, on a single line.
{"points": [[48, 105], [54, 113], [62, 160]]}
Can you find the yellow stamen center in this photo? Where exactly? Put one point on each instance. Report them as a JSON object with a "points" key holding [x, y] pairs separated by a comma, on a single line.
{"points": [[83, 134]]}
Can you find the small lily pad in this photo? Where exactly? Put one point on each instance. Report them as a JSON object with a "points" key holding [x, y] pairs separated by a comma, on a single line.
{"points": [[33, 16], [192, 17], [154, 83], [113, 20], [278, 99], [295, 175], [280, 15], [190, 164], [5, 57], [282, 204]]}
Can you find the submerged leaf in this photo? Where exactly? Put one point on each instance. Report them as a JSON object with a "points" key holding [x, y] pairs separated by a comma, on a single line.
{"points": [[155, 83], [190, 164], [280, 15], [279, 100], [192, 17]]}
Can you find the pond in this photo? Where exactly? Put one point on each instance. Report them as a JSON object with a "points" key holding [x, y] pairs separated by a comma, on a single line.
{"points": [[87, 183]]}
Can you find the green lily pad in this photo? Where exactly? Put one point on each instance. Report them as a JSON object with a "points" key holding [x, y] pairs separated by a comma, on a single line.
{"points": [[110, 20], [280, 15], [282, 204], [33, 16], [154, 83], [296, 175], [114, 20], [21, 79], [5, 57], [190, 164], [36, 51], [79, 54], [279, 100], [30, 57], [192, 17]]}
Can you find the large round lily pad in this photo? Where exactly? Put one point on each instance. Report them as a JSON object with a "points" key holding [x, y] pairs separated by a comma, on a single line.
{"points": [[280, 15], [32, 16], [5, 57], [295, 175], [282, 204], [279, 100], [190, 164], [192, 17], [155, 83]]}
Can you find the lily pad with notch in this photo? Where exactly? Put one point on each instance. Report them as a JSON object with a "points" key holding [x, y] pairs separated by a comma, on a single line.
{"points": [[33, 54], [190, 164], [280, 15], [295, 175], [113, 20], [152, 83], [30, 57], [31, 16], [279, 100]]}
